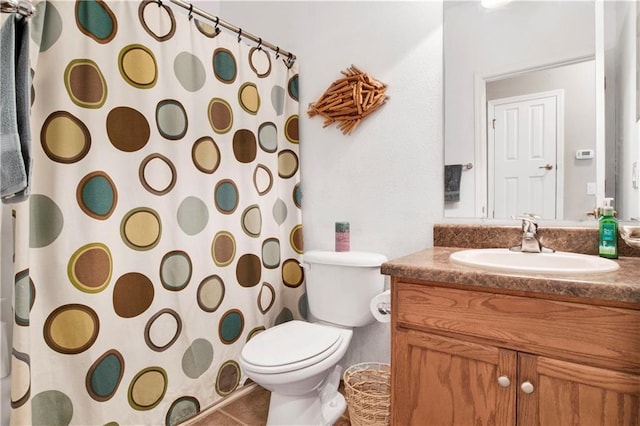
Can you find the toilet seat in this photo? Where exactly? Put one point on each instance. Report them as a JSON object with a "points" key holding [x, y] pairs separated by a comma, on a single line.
{"points": [[290, 346]]}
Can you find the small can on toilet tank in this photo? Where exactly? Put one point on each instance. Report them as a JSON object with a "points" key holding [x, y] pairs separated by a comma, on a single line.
{"points": [[342, 236]]}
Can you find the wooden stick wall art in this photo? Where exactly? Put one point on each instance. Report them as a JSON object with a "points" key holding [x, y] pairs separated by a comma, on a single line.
{"points": [[349, 100]]}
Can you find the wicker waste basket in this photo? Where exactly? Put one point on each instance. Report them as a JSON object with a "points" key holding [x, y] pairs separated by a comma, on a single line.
{"points": [[368, 392]]}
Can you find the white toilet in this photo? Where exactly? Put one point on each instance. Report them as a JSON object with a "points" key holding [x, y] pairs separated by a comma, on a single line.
{"points": [[298, 361]]}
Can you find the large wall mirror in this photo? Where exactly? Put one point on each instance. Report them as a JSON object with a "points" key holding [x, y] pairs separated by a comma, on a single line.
{"points": [[529, 126]]}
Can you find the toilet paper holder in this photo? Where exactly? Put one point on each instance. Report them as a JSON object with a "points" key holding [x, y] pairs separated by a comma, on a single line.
{"points": [[384, 308]]}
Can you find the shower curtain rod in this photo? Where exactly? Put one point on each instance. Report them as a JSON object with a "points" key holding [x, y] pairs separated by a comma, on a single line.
{"points": [[291, 58], [17, 6]]}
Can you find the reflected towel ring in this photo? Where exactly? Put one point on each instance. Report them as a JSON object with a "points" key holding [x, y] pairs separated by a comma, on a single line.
{"points": [[239, 34]]}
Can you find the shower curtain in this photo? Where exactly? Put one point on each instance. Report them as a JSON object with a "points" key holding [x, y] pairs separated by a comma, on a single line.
{"points": [[163, 228]]}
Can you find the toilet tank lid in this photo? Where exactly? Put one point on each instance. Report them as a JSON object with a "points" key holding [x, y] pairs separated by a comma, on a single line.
{"points": [[348, 258]]}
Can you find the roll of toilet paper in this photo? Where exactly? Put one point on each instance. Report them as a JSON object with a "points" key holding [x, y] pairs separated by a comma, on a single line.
{"points": [[381, 306]]}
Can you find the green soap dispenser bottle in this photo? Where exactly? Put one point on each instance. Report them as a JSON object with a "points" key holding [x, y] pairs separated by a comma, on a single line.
{"points": [[608, 224]]}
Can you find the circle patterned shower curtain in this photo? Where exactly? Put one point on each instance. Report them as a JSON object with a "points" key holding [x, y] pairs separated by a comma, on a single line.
{"points": [[163, 228]]}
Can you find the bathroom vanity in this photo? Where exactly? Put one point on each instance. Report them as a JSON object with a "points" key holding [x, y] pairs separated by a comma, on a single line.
{"points": [[479, 347]]}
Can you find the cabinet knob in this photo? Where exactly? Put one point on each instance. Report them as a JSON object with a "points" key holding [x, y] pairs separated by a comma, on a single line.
{"points": [[527, 387], [504, 381]]}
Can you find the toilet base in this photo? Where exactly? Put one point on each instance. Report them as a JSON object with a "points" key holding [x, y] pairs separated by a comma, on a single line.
{"points": [[305, 409]]}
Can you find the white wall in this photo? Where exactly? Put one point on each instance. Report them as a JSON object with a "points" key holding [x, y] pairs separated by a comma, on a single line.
{"points": [[386, 177], [490, 42]]}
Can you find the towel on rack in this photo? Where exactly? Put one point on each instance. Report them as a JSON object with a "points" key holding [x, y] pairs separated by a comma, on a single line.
{"points": [[15, 95], [452, 175]]}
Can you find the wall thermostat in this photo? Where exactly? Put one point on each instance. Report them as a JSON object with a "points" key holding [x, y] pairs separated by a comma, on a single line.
{"points": [[584, 154]]}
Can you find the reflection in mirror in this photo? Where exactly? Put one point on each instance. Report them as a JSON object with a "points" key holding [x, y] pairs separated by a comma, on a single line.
{"points": [[537, 122], [520, 93], [622, 128]]}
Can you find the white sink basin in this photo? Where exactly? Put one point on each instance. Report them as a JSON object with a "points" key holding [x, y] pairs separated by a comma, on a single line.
{"points": [[500, 259]]}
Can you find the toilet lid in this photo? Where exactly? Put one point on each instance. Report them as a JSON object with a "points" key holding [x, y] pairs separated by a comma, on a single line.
{"points": [[289, 343]]}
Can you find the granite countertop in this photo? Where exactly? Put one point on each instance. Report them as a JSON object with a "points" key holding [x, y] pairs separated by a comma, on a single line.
{"points": [[619, 288]]}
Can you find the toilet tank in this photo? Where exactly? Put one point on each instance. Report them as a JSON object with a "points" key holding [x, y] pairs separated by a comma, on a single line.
{"points": [[340, 285]]}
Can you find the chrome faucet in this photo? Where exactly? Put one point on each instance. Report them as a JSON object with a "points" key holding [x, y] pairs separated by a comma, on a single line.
{"points": [[530, 242]]}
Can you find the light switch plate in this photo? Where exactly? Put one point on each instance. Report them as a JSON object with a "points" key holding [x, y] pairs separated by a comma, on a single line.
{"points": [[591, 188], [634, 175]]}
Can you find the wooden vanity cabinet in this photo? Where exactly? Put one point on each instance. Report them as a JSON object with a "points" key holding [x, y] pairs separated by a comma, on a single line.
{"points": [[467, 357], [445, 381], [568, 393]]}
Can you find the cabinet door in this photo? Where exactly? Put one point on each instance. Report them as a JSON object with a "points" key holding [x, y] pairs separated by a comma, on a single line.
{"points": [[444, 381], [563, 393]]}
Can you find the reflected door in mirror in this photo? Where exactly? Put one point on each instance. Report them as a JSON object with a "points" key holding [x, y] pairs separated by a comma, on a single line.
{"points": [[523, 145]]}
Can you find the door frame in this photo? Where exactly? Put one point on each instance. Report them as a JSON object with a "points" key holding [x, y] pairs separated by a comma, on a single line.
{"points": [[480, 126], [559, 161]]}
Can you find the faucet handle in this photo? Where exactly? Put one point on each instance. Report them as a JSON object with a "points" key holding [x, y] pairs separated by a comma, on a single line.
{"points": [[529, 221], [529, 217], [533, 217]]}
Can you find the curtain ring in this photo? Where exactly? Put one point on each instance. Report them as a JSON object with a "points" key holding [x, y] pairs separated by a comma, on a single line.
{"points": [[159, 3], [216, 29], [290, 60], [239, 34], [277, 52], [260, 44], [190, 11]]}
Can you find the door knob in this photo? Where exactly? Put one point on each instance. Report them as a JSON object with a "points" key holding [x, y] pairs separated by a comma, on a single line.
{"points": [[527, 387], [547, 167], [504, 381]]}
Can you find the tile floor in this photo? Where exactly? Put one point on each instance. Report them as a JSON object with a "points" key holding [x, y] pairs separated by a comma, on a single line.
{"points": [[248, 410]]}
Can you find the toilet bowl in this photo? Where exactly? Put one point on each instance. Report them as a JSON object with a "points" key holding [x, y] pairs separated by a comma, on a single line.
{"points": [[299, 361]]}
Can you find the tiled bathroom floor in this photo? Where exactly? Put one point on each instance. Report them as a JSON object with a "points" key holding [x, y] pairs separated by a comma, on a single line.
{"points": [[248, 410]]}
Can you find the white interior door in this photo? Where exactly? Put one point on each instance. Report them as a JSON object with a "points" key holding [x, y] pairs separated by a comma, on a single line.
{"points": [[523, 134]]}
